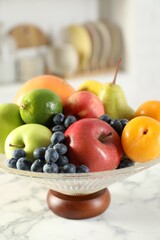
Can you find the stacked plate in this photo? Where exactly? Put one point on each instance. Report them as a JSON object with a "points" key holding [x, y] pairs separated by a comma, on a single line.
{"points": [[87, 47]]}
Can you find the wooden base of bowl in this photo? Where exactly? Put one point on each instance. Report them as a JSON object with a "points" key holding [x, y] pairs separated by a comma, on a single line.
{"points": [[78, 207]]}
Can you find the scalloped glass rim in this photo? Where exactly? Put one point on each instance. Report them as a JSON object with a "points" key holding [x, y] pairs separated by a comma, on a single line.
{"points": [[79, 183]]}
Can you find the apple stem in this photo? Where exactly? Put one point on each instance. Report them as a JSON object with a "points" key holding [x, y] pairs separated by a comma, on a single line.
{"points": [[103, 138], [23, 106], [117, 68], [16, 145]]}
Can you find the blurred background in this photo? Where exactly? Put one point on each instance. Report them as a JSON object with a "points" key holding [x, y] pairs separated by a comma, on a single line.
{"points": [[82, 38]]}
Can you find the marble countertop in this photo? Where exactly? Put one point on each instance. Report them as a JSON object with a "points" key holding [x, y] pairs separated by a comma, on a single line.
{"points": [[134, 212]]}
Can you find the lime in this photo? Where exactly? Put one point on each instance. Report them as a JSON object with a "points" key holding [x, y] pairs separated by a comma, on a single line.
{"points": [[39, 105]]}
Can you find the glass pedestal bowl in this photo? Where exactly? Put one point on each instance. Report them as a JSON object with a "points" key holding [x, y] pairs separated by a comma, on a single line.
{"points": [[80, 195]]}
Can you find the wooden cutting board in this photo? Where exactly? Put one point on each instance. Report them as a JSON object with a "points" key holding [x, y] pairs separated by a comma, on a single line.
{"points": [[27, 35]]}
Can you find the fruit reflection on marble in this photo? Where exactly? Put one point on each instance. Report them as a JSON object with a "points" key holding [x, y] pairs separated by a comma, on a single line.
{"points": [[88, 133]]}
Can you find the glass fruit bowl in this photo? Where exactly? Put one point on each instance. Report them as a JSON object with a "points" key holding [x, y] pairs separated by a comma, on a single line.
{"points": [[78, 186], [78, 183]]}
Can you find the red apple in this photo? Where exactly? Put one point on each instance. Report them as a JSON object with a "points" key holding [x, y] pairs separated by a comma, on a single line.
{"points": [[95, 143], [84, 104]]}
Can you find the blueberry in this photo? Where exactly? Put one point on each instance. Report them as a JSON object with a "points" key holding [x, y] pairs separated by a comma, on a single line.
{"points": [[37, 165], [57, 137], [50, 145], [125, 162], [51, 155], [82, 169], [116, 124], [61, 148], [69, 120], [39, 152], [58, 128], [12, 163], [124, 121], [23, 163], [62, 160], [106, 118], [18, 153], [69, 168], [58, 119], [50, 167]]}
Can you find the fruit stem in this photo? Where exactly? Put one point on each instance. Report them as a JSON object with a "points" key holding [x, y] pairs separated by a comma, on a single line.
{"points": [[104, 138], [23, 106], [117, 68], [16, 145]]}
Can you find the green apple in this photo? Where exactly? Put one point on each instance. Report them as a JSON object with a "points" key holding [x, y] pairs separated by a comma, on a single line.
{"points": [[28, 137], [9, 119]]}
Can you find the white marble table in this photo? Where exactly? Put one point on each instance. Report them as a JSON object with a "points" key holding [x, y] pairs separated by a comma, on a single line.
{"points": [[134, 212]]}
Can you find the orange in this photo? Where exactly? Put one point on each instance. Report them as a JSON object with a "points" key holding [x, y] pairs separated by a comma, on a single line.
{"points": [[149, 108], [141, 139], [51, 82]]}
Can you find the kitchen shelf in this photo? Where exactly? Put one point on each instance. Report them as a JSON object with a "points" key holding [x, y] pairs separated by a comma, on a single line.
{"points": [[58, 18]]}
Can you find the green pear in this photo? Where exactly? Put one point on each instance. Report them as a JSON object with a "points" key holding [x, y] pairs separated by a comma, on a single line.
{"points": [[9, 119], [28, 137], [114, 100]]}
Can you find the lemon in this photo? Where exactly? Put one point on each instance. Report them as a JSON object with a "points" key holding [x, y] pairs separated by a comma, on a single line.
{"points": [[39, 105]]}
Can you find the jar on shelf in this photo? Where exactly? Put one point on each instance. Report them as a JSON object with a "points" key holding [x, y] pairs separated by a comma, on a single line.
{"points": [[30, 62]]}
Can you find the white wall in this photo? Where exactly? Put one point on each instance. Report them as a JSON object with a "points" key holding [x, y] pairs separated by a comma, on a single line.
{"points": [[121, 12], [50, 15], [140, 22], [146, 69]]}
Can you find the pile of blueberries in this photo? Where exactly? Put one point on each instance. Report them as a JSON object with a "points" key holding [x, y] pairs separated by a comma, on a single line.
{"points": [[51, 159], [118, 125]]}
